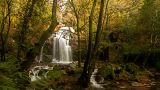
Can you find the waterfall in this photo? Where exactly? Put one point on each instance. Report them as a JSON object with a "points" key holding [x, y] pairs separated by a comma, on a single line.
{"points": [[93, 81], [33, 73], [41, 54], [62, 52]]}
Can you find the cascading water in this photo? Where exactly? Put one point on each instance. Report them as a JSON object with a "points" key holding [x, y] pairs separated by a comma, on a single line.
{"points": [[93, 81], [33, 73], [62, 52]]}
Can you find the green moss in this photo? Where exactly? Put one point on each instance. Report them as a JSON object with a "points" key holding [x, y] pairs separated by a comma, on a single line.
{"points": [[54, 74], [129, 72], [49, 82], [107, 71]]}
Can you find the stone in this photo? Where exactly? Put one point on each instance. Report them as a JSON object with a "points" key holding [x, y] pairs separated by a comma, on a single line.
{"points": [[137, 84]]}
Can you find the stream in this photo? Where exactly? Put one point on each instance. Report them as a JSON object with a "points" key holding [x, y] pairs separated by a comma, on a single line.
{"points": [[34, 74], [107, 85], [93, 80]]}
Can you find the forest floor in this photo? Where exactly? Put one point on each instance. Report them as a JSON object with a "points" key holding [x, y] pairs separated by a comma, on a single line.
{"points": [[146, 83], [68, 81]]}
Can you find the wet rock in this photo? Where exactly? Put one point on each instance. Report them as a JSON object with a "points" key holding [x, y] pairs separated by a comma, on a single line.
{"points": [[122, 84], [73, 64], [137, 84], [70, 70], [153, 83]]}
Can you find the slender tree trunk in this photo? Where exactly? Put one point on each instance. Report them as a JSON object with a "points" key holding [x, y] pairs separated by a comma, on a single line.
{"points": [[52, 27], [79, 43], [6, 15], [106, 28], [106, 15], [2, 41], [90, 63], [2, 49], [25, 27], [84, 79], [78, 32], [9, 7], [1, 33], [97, 39]]}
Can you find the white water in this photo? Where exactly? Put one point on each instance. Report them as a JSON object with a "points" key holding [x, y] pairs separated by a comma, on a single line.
{"points": [[41, 54], [93, 81], [33, 73], [62, 52]]}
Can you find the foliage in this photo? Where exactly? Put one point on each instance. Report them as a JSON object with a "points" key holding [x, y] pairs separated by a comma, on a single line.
{"points": [[107, 71], [48, 81], [129, 72], [7, 83], [39, 85], [54, 74], [22, 79], [135, 22], [11, 78]]}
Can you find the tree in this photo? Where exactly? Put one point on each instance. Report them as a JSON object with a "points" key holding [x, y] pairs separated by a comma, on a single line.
{"points": [[84, 77], [24, 27], [36, 49], [148, 23], [78, 31], [90, 62], [6, 21]]}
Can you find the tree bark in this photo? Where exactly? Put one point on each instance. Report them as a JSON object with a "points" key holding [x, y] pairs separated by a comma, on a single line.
{"points": [[84, 78], [36, 49], [97, 39], [5, 17], [1, 33], [9, 7], [106, 16], [79, 43], [24, 28]]}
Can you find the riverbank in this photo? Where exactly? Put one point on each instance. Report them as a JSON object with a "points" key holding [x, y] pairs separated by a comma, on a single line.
{"points": [[64, 77]]}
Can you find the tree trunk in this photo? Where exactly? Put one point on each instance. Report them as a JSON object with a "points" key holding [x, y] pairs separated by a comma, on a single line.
{"points": [[9, 7], [3, 23], [78, 32], [97, 40], [84, 78], [79, 43], [36, 49], [2, 41], [106, 15], [24, 27], [1, 34], [90, 63]]}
